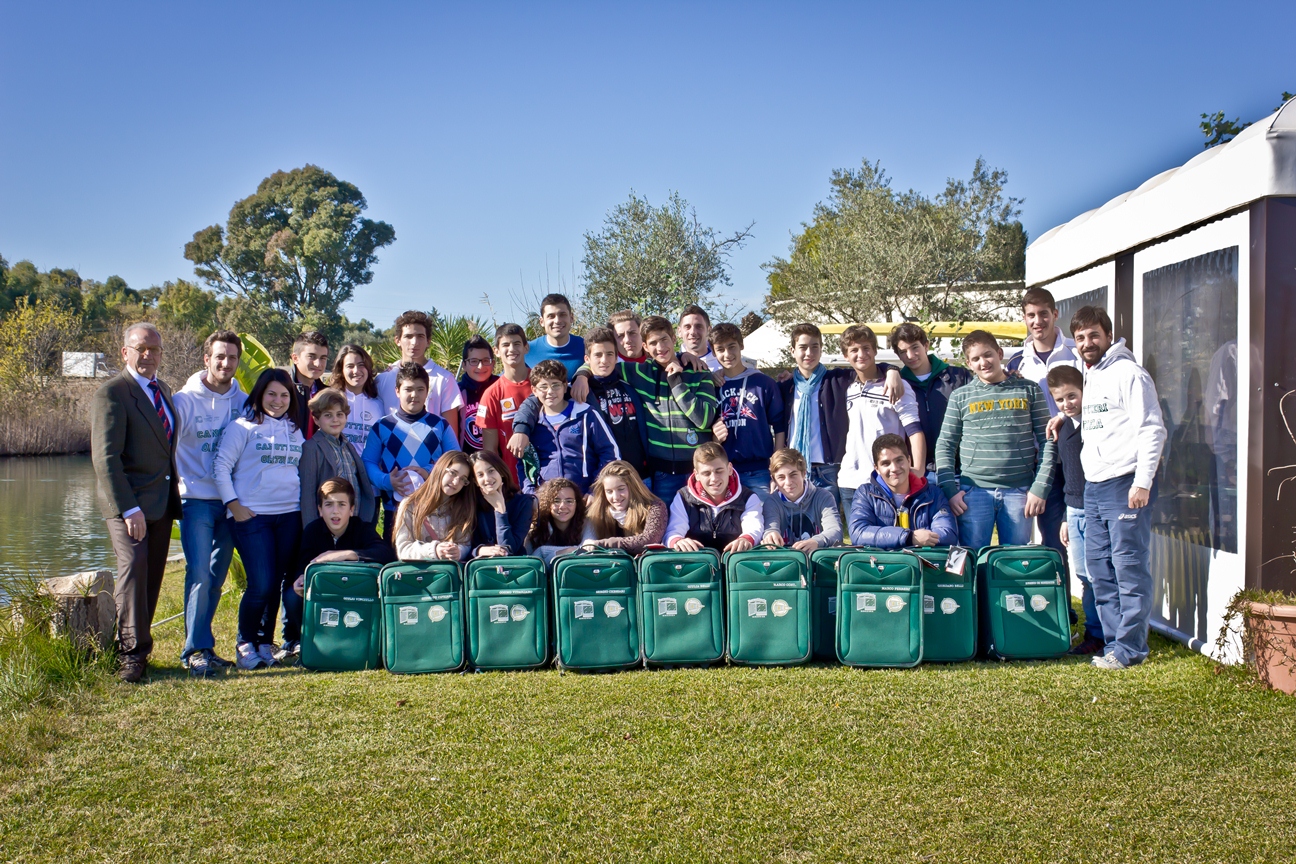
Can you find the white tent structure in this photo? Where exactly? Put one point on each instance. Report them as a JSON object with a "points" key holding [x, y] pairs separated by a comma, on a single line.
{"points": [[1194, 263]]}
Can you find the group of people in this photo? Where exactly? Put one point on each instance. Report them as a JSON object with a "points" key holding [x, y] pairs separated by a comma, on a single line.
{"points": [[644, 432]]}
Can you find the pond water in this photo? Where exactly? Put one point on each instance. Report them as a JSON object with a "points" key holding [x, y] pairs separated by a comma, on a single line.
{"points": [[49, 519]]}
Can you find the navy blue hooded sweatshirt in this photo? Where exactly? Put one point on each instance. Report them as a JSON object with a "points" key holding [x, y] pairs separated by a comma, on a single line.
{"points": [[751, 406]]}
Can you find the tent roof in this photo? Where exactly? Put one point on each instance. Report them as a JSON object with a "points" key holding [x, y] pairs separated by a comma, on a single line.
{"points": [[1258, 163]]}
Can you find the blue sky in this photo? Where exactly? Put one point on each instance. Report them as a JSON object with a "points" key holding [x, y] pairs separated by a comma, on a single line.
{"points": [[492, 136]]}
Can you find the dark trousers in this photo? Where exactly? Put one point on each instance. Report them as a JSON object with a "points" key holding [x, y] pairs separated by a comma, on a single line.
{"points": [[268, 547], [139, 581], [1050, 524]]}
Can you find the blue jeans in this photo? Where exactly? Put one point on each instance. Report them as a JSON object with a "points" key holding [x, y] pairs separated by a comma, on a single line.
{"points": [[988, 509], [1076, 553], [268, 547], [1055, 513], [664, 485], [1116, 555], [824, 475], [758, 482], [208, 544]]}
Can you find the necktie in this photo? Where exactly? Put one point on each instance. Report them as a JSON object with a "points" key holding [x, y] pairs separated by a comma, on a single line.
{"points": [[157, 403]]}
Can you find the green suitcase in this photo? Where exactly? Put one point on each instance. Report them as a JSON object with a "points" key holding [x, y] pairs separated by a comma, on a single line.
{"points": [[681, 607], [595, 610], [508, 613], [342, 618], [949, 607], [823, 592], [423, 617], [1025, 602], [768, 592], [879, 609]]}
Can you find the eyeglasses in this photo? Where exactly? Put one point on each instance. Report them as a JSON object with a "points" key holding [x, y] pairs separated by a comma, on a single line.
{"points": [[146, 350], [486, 362]]}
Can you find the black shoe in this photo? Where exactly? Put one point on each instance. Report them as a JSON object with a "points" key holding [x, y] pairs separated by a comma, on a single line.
{"points": [[200, 666], [1090, 645], [213, 659], [132, 669]]}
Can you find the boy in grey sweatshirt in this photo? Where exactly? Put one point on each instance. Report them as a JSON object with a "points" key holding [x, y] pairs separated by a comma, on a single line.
{"points": [[799, 514]]}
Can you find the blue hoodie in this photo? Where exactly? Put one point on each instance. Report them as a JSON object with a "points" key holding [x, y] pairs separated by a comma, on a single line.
{"points": [[751, 406], [873, 514], [576, 445]]}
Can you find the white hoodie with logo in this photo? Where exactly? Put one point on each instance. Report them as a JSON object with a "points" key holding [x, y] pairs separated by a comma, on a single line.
{"points": [[203, 416], [1121, 420], [363, 412], [257, 464]]}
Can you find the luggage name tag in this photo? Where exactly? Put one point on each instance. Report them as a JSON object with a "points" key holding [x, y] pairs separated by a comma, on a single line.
{"points": [[956, 563]]}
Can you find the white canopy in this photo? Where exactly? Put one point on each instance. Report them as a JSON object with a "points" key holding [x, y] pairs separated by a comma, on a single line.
{"points": [[1258, 163]]}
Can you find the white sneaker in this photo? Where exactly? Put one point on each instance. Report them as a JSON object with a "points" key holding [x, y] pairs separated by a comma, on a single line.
{"points": [[247, 657], [267, 652], [1107, 661]]}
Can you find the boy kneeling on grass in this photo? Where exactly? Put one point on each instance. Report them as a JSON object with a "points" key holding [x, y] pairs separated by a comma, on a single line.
{"points": [[799, 514], [898, 507], [714, 510], [336, 535]]}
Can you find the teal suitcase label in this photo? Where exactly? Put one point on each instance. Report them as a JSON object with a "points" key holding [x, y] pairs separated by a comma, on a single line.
{"points": [[595, 611], [1025, 602], [823, 592], [949, 608], [508, 613], [423, 617], [682, 608], [342, 617], [769, 607], [880, 609]]}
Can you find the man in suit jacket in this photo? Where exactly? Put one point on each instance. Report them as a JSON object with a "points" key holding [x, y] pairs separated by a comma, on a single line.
{"points": [[133, 444]]}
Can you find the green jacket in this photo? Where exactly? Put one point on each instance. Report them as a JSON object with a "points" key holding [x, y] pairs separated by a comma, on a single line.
{"points": [[997, 432]]}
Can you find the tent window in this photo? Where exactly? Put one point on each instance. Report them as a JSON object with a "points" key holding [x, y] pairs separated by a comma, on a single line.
{"points": [[1067, 308], [1190, 320]]}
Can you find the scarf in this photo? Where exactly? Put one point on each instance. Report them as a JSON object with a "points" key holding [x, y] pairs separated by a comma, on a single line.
{"points": [[805, 389]]}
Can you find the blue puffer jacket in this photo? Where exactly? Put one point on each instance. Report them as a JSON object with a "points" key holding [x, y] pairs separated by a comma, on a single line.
{"points": [[873, 515]]}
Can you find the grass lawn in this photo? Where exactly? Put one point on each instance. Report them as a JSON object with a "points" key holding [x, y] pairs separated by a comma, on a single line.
{"points": [[979, 762]]}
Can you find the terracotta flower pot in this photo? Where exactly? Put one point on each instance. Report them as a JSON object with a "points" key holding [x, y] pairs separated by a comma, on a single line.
{"points": [[1273, 629]]}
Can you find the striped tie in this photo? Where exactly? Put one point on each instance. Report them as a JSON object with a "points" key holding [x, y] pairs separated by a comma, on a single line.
{"points": [[157, 403]]}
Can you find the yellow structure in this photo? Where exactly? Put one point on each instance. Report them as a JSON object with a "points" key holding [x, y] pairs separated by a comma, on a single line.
{"points": [[942, 329]]}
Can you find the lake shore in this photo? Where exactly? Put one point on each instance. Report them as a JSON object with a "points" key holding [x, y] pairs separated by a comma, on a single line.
{"points": [[55, 423]]}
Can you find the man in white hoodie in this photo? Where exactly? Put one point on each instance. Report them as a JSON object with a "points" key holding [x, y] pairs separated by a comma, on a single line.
{"points": [[1123, 438], [207, 403]]}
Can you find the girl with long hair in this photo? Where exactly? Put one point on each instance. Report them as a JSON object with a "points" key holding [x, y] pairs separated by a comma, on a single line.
{"points": [[622, 513], [255, 470], [437, 520], [353, 374], [559, 520], [503, 512]]}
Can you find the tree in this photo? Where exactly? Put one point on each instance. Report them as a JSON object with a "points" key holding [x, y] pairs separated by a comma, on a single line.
{"points": [[182, 305], [874, 253], [296, 249], [1221, 131], [654, 260]]}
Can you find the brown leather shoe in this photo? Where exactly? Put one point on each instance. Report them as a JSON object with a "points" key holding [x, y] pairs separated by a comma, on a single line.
{"points": [[132, 669]]}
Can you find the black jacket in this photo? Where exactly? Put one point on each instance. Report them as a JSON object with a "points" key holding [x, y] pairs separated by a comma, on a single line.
{"points": [[833, 420], [933, 397], [1069, 444], [359, 537]]}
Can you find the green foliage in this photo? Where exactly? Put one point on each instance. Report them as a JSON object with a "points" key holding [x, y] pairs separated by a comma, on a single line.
{"points": [[295, 250], [32, 338], [871, 252], [445, 344], [183, 305], [655, 260], [1219, 130], [37, 668]]}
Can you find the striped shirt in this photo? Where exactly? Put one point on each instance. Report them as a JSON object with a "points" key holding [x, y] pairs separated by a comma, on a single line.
{"points": [[997, 432], [680, 412]]}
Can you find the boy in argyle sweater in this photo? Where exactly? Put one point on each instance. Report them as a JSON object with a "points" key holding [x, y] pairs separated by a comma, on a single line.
{"points": [[406, 443]]}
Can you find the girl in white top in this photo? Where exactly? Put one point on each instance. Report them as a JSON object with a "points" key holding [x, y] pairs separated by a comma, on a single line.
{"points": [[255, 470], [437, 521], [353, 374]]}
